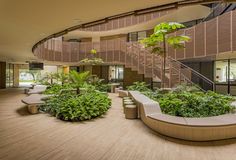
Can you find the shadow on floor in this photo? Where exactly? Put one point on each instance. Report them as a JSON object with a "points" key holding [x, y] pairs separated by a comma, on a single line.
{"points": [[23, 111]]}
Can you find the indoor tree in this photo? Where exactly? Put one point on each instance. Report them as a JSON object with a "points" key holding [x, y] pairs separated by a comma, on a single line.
{"points": [[79, 79], [92, 60], [161, 37]]}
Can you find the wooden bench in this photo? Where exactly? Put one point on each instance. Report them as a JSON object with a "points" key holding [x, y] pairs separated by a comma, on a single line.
{"points": [[194, 129], [33, 102]]}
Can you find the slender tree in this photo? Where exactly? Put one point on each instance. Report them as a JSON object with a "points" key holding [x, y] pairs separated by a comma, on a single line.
{"points": [[161, 37], [79, 79]]}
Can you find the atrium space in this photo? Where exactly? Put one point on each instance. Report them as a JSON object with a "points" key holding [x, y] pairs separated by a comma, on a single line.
{"points": [[118, 80]]}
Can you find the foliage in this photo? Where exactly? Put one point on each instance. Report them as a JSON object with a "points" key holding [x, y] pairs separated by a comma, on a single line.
{"points": [[73, 107], [139, 86], [93, 51], [62, 77], [193, 103], [48, 79], [185, 87], [79, 78], [56, 88], [34, 73], [162, 34], [93, 60], [98, 83]]}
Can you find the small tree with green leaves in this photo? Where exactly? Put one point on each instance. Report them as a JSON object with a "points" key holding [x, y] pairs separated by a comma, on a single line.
{"points": [[79, 79], [161, 37], [92, 60]]}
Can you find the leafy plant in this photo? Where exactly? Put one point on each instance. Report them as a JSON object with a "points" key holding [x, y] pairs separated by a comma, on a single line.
{"points": [[79, 79], [162, 36], [49, 78], [139, 86], [74, 107], [92, 60], [56, 88], [185, 87], [98, 83], [62, 77], [194, 104]]}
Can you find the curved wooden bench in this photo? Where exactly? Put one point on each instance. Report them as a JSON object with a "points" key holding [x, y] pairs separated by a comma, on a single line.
{"points": [[194, 129]]}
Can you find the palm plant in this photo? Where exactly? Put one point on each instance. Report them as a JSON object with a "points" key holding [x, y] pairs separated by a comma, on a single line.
{"points": [[79, 79], [62, 77], [162, 36]]}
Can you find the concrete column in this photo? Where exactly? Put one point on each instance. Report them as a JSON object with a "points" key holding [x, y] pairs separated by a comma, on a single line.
{"points": [[16, 75], [2, 75], [66, 69]]}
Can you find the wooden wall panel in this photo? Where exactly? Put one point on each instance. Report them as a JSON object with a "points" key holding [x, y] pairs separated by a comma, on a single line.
{"points": [[180, 52], [211, 37], [200, 40], [189, 46], [234, 31], [224, 37]]}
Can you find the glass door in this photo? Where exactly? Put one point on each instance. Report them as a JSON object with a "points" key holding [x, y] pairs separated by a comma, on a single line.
{"points": [[221, 76], [232, 77]]}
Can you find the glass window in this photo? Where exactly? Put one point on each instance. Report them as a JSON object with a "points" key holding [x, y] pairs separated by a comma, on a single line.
{"points": [[141, 35], [116, 73], [233, 71], [221, 71], [133, 37], [136, 36]]}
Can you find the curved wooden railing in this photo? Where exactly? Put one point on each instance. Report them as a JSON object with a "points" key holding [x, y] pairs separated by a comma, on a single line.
{"points": [[207, 39]]}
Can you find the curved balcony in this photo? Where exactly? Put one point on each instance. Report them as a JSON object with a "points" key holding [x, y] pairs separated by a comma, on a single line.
{"points": [[208, 39]]}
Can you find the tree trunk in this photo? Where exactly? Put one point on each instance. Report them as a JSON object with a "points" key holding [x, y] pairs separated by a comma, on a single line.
{"points": [[78, 91], [164, 62]]}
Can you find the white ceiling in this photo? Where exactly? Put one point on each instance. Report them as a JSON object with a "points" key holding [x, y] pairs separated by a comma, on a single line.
{"points": [[25, 22]]}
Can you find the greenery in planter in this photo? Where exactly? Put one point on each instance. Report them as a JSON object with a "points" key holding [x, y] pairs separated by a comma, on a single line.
{"points": [[92, 60], [161, 37], [56, 88], [79, 79], [194, 104], [188, 101], [139, 86], [98, 83], [74, 107]]}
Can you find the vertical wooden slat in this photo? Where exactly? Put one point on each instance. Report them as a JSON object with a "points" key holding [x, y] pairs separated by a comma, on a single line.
{"points": [[224, 33], [211, 37]]}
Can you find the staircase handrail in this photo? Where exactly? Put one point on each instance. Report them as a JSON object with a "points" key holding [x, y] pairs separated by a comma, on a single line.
{"points": [[192, 70]]}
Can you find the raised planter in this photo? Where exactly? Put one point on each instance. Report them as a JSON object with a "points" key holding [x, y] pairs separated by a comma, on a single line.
{"points": [[194, 129]]}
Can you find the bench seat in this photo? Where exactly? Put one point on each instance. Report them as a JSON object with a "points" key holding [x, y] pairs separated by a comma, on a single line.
{"points": [[193, 129], [33, 101]]}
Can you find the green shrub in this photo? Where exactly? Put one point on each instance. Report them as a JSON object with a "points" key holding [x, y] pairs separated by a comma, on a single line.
{"points": [[74, 107], [98, 83], [195, 104], [56, 88], [185, 87], [139, 86]]}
